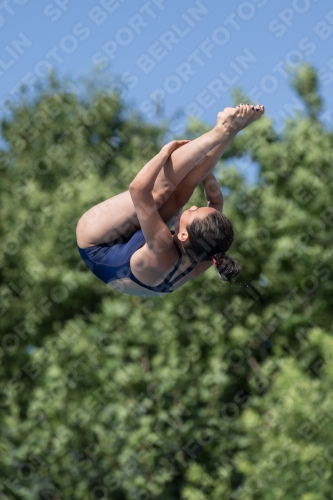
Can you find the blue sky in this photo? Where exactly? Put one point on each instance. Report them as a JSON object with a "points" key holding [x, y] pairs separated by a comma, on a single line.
{"points": [[187, 56]]}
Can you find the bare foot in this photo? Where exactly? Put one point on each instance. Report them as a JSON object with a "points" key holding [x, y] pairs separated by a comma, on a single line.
{"points": [[257, 111], [231, 120]]}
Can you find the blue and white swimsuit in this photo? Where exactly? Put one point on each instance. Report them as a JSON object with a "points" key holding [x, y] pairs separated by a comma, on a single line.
{"points": [[111, 262]]}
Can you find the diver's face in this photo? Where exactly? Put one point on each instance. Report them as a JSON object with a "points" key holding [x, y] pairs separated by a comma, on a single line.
{"points": [[186, 217]]}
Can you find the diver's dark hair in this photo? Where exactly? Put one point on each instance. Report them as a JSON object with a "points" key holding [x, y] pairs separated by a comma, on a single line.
{"points": [[209, 239]]}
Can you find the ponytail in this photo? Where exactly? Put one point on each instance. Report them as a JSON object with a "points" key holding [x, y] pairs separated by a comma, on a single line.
{"points": [[209, 239], [226, 267]]}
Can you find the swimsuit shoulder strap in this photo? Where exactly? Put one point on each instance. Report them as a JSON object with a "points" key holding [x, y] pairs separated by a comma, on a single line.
{"points": [[180, 257], [164, 286], [168, 280], [187, 271]]}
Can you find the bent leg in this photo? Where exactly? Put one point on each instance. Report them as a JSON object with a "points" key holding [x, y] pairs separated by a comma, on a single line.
{"points": [[183, 160], [117, 216]]}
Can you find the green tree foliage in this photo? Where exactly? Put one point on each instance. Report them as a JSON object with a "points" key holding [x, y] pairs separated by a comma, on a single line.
{"points": [[306, 84], [216, 391]]}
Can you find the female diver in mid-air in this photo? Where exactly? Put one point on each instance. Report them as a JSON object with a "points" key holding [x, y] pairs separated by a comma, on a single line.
{"points": [[126, 242]]}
